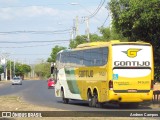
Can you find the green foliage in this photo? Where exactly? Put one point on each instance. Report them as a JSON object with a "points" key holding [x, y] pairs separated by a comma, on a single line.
{"points": [[54, 52], [78, 40], [107, 35], [111, 34], [137, 19], [95, 37], [1, 69], [83, 39], [42, 70], [22, 69], [157, 73]]}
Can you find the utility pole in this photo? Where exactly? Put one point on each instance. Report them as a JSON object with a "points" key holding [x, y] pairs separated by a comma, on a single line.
{"points": [[10, 70], [87, 28], [74, 29], [14, 68], [72, 37], [6, 69], [77, 26]]}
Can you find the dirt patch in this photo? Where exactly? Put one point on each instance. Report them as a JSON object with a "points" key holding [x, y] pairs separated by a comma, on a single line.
{"points": [[14, 103], [2, 83]]}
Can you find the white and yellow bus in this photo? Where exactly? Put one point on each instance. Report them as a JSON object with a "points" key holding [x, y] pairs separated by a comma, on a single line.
{"points": [[101, 72]]}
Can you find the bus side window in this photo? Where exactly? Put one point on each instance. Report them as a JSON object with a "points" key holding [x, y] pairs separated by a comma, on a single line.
{"points": [[80, 58], [95, 56], [105, 56], [87, 59]]}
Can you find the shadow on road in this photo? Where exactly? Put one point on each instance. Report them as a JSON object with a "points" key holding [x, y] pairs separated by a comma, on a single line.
{"points": [[111, 106]]}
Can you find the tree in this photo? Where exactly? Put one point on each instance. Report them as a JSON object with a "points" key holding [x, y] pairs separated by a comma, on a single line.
{"points": [[111, 34], [83, 39], [138, 20], [54, 52], [107, 35], [21, 69], [1, 69], [78, 40], [42, 70]]}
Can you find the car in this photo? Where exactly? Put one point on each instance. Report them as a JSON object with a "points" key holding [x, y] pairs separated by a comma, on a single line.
{"points": [[51, 83], [16, 81]]}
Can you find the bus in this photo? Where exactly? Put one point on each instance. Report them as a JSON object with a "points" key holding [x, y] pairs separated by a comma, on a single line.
{"points": [[100, 72]]}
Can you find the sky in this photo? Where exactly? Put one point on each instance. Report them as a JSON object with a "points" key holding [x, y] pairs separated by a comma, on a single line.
{"points": [[29, 29]]}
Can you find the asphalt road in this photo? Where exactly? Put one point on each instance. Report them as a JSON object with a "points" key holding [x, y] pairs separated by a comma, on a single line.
{"points": [[37, 92]]}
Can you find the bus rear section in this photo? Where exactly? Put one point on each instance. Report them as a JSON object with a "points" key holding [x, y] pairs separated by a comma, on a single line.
{"points": [[132, 73]]}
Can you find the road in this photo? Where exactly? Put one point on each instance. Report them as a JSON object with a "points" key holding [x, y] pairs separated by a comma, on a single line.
{"points": [[37, 92]]}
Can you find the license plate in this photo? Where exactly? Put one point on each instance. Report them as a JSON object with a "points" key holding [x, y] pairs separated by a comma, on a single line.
{"points": [[132, 90]]}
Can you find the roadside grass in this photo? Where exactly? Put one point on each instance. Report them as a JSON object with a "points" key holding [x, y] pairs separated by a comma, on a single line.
{"points": [[14, 103]]}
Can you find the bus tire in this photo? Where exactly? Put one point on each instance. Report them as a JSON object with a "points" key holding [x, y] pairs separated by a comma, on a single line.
{"points": [[65, 100], [96, 103], [89, 99]]}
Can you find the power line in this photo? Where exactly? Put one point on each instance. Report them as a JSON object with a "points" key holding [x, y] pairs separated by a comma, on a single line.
{"points": [[30, 54], [21, 42], [23, 6], [98, 8], [26, 46], [38, 32], [30, 45], [105, 20]]}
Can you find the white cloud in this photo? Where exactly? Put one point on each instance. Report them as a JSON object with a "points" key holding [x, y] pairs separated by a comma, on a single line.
{"points": [[32, 11], [52, 15], [40, 11], [5, 13], [8, 1]]}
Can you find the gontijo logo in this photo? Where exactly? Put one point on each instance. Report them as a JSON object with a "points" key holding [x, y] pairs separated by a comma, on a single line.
{"points": [[131, 52]]}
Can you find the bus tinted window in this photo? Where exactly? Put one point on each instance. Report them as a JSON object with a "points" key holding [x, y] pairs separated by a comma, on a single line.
{"points": [[90, 57], [105, 56], [87, 57]]}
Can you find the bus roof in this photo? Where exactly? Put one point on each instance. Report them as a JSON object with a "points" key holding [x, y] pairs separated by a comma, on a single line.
{"points": [[108, 43]]}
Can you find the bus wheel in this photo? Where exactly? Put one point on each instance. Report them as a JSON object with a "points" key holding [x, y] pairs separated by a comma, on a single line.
{"points": [[95, 100], [96, 103], [89, 99], [65, 100]]}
